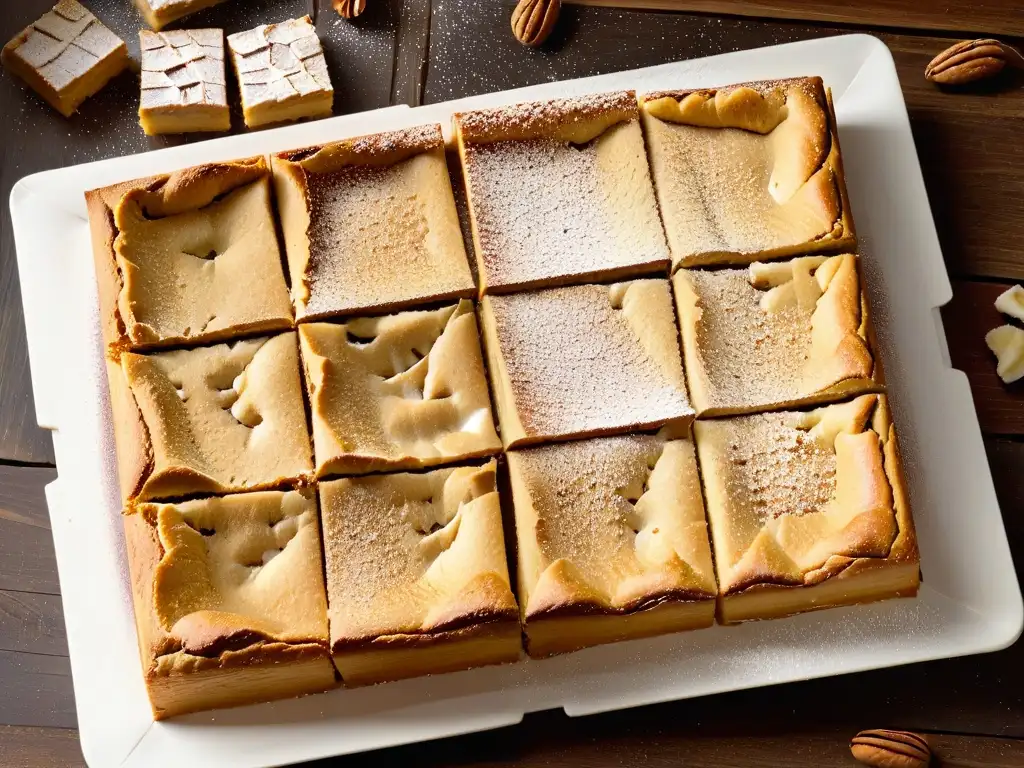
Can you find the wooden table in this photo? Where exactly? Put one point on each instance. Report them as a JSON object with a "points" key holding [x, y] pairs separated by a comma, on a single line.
{"points": [[415, 51]]}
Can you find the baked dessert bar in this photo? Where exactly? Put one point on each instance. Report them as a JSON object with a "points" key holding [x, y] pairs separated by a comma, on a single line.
{"points": [[160, 13], [807, 509], [560, 192], [183, 84], [416, 574], [210, 420], [281, 72], [397, 392], [66, 56], [777, 335], [370, 224], [188, 257], [229, 600], [748, 172], [584, 360], [613, 543]]}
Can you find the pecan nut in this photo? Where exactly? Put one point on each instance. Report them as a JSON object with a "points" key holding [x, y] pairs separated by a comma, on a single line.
{"points": [[891, 749], [972, 60], [533, 20], [349, 9]]}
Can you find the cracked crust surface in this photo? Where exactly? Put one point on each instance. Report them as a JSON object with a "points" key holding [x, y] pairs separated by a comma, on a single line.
{"points": [[188, 257], [282, 72], [229, 600], [212, 420], [584, 361], [370, 224], [776, 335], [183, 82], [159, 13], [416, 561], [811, 500], [559, 192], [747, 172], [66, 56], [609, 526], [397, 392]]}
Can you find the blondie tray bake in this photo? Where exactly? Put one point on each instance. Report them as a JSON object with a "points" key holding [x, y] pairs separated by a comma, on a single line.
{"points": [[346, 457]]}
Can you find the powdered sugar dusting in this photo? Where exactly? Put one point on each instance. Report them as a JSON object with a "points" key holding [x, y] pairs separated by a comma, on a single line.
{"points": [[541, 117], [746, 355], [576, 365], [549, 210]]}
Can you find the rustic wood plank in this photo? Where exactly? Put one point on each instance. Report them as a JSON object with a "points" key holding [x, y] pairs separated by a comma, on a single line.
{"points": [[411, 53], [39, 747], [33, 138], [37, 690], [968, 141], [27, 561], [967, 318], [1002, 17], [32, 623]]}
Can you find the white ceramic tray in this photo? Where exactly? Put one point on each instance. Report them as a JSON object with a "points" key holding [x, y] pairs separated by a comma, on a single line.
{"points": [[970, 601]]}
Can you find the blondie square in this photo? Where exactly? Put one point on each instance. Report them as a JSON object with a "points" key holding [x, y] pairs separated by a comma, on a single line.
{"points": [[613, 543]]}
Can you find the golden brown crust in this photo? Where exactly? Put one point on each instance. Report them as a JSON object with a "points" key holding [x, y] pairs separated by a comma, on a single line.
{"points": [[160, 13], [169, 217], [767, 184], [374, 149], [584, 361], [577, 120], [210, 420], [799, 499], [370, 224], [779, 335], [646, 545], [413, 558], [397, 392]]}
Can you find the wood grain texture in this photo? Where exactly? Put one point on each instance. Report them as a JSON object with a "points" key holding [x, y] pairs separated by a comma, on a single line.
{"points": [[1001, 17], [32, 623], [33, 137], [411, 53], [27, 562], [39, 747], [967, 318], [37, 690]]}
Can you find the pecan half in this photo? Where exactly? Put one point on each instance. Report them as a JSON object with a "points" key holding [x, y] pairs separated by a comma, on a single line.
{"points": [[349, 9], [533, 20], [891, 749], [972, 60]]}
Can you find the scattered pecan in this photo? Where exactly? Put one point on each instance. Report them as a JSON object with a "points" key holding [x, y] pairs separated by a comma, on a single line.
{"points": [[972, 60], [533, 20], [349, 9], [891, 749]]}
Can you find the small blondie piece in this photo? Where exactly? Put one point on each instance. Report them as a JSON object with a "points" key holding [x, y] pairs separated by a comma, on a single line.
{"points": [[613, 544], [213, 419], [398, 392], [807, 509], [66, 56], [416, 576], [230, 603], [282, 73], [370, 224], [560, 192], [749, 172], [778, 335], [183, 83], [190, 257], [585, 360], [160, 13]]}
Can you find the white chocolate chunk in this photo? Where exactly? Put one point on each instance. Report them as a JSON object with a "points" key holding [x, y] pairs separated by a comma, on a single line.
{"points": [[1007, 342], [1011, 302]]}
